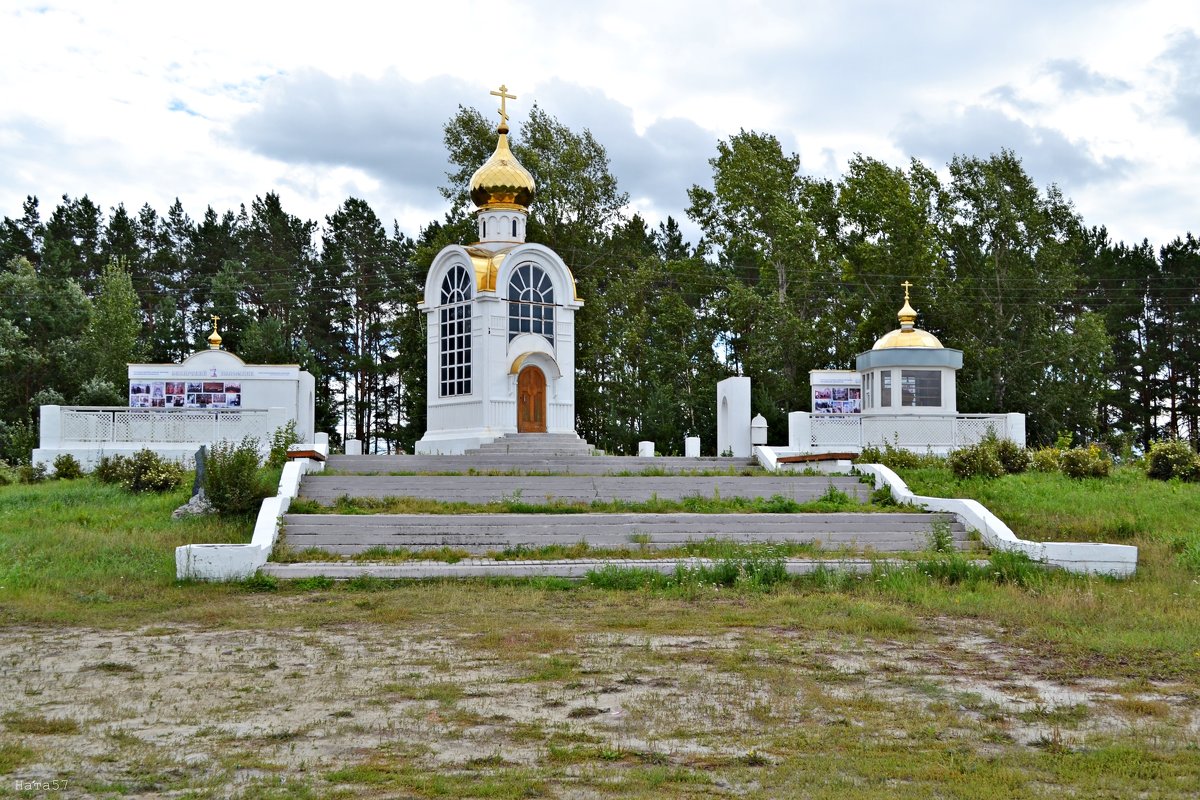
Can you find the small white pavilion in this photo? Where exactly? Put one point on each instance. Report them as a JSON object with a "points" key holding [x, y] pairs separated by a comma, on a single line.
{"points": [[902, 392], [211, 396], [500, 321]]}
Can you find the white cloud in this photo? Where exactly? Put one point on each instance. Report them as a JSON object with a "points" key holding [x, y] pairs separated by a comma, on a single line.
{"points": [[219, 102]]}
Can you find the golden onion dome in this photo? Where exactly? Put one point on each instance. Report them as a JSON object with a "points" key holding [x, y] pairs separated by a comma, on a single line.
{"points": [[913, 337], [907, 335], [502, 183]]}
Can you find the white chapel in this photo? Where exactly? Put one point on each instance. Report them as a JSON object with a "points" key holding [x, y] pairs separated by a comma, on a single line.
{"points": [[500, 321]]}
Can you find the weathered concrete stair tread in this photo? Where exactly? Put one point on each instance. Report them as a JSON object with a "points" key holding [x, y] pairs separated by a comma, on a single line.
{"points": [[491, 488], [573, 568], [549, 444], [550, 464], [480, 533]]}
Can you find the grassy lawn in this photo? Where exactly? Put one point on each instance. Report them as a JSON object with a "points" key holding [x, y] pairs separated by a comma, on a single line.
{"points": [[919, 682], [1125, 508]]}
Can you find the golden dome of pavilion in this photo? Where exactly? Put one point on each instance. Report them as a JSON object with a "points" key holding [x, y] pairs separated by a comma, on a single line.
{"points": [[907, 335]]}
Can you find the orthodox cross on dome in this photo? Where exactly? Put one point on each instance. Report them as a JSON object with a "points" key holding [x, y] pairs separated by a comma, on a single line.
{"points": [[214, 339], [503, 95], [906, 286]]}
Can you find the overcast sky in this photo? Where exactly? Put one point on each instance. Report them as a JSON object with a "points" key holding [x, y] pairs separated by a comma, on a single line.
{"points": [[217, 102]]}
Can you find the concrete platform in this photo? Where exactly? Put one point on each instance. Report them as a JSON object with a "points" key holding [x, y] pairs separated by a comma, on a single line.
{"points": [[575, 569], [537, 464], [483, 533], [326, 489]]}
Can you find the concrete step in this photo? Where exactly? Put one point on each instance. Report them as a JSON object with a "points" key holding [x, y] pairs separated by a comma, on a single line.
{"points": [[326, 489], [538, 464], [547, 444], [481, 533], [574, 569]]}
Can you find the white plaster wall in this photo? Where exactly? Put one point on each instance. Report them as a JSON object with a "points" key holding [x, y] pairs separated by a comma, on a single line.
{"points": [[88, 453], [733, 417], [1103, 559]]}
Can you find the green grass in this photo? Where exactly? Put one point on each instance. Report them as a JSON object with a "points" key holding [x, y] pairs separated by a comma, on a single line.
{"points": [[1125, 508], [78, 556], [70, 546], [38, 725]]}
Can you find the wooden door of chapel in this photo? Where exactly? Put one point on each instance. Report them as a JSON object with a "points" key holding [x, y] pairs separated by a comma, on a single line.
{"points": [[531, 401]]}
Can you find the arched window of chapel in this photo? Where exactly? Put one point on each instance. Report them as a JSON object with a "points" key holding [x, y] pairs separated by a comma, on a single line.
{"points": [[530, 302], [454, 335]]}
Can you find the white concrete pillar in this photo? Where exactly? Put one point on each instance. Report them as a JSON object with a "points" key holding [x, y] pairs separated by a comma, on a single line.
{"points": [[800, 431], [50, 427], [733, 417], [1016, 428], [691, 447], [353, 447], [646, 449]]}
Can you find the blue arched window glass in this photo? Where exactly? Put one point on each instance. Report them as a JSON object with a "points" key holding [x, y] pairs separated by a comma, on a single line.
{"points": [[530, 302], [455, 339]]}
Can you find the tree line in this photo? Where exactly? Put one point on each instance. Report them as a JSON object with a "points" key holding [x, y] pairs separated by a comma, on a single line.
{"points": [[1093, 339]]}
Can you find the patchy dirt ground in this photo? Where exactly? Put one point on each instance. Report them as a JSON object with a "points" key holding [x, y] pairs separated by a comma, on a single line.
{"points": [[170, 711]]}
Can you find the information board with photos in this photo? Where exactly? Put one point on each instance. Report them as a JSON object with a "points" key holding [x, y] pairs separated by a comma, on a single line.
{"points": [[837, 400], [185, 394]]}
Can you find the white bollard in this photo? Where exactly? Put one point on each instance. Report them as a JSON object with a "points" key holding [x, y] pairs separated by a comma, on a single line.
{"points": [[646, 449], [353, 447], [758, 430], [691, 447]]}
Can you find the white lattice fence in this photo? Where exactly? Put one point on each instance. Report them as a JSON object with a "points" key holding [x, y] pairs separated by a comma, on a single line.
{"points": [[971, 430], [836, 430], [80, 425], [162, 425], [910, 432]]}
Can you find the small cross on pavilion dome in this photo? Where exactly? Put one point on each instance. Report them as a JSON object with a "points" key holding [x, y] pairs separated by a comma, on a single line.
{"points": [[907, 335], [502, 183], [214, 338]]}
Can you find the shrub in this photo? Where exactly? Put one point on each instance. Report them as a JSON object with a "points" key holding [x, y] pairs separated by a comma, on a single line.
{"points": [[17, 441], [283, 438], [232, 481], [147, 471], [977, 461], [1086, 462], [1172, 458], [895, 457], [991, 457], [67, 467], [1047, 459], [111, 469], [1016, 459], [31, 473]]}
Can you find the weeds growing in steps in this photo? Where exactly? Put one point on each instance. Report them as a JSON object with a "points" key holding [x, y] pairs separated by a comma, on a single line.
{"points": [[708, 548], [764, 569], [834, 500]]}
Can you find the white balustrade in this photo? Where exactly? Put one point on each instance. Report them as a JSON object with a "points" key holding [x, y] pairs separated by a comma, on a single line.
{"points": [[937, 432], [166, 425], [836, 430]]}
